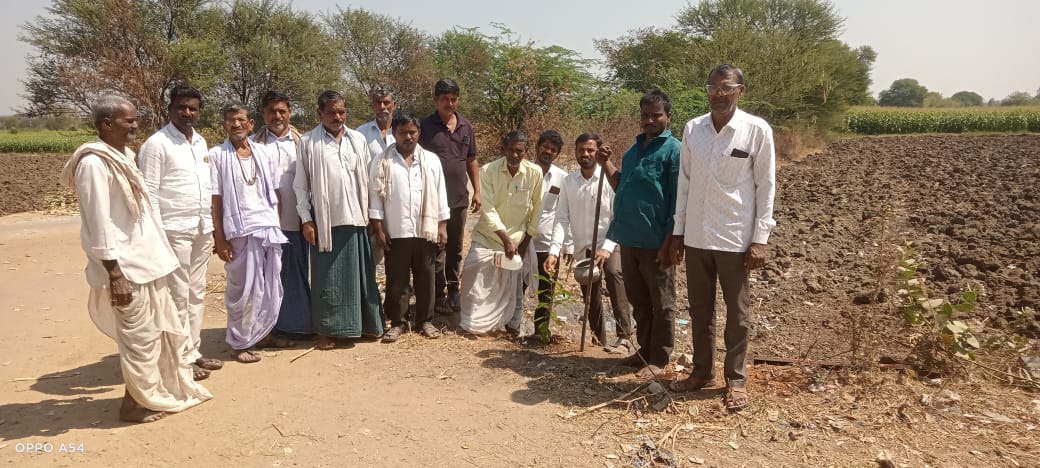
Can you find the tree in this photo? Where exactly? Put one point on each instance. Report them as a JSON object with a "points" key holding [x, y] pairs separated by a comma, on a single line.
{"points": [[797, 71], [376, 50], [647, 58], [137, 48], [268, 46], [906, 92], [967, 98], [508, 82], [1018, 98]]}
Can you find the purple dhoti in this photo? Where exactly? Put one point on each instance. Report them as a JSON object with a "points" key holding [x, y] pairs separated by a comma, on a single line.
{"points": [[254, 287]]}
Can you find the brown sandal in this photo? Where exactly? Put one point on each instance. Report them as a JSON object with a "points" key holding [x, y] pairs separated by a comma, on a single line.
{"points": [[691, 384], [430, 331], [736, 398]]}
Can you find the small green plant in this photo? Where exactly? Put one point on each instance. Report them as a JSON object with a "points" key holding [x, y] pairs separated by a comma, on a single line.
{"points": [[944, 330], [561, 296]]}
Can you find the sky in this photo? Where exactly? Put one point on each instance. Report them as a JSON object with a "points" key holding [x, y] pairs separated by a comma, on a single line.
{"points": [[990, 47]]}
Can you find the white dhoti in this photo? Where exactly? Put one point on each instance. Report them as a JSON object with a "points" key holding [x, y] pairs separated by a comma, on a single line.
{"points": [[489, 292], [152, 339], [254, 287]]}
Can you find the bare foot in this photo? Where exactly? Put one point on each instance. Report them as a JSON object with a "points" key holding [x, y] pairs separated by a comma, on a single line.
{"points": [[245, 356], [131, 411], [325, 343]]}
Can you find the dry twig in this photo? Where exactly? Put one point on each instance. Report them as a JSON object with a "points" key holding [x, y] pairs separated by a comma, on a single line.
{"points": [[620, 399], [312, 348]]}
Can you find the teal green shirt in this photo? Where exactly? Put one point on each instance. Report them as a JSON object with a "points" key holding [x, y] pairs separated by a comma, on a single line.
{"points": [[644, 204]]}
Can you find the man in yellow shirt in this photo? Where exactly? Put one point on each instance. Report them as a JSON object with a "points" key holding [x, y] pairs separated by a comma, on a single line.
{"points": [[511, 190]]}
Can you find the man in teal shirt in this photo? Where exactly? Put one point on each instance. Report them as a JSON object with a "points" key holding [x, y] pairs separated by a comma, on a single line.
{"points": [[644, 206]]}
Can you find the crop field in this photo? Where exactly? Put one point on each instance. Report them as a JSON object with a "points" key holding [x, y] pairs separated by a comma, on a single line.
{"points": [[43, 141], [903, 120]]}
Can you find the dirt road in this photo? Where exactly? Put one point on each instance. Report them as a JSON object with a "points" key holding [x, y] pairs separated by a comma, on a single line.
{"points": [[370, 405]]}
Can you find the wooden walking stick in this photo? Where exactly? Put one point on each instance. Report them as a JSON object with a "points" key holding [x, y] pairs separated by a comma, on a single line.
{"points": [[592, 273]]}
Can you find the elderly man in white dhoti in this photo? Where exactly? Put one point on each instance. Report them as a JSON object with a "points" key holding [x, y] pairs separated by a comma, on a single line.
{"points": [[128, 261], [247, 235]]}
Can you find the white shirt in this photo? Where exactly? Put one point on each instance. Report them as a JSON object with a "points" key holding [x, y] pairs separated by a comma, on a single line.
{"points": [[343, 185], [551, 186], [374, 137], [109, 232], [283, 150], [576, 212], [727, 181], [401, 212], [176, 173]]}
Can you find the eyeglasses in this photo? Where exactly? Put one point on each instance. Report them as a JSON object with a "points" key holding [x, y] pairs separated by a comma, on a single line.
{"points": [[724, 90]]}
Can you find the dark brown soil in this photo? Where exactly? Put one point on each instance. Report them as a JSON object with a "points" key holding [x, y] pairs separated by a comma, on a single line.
{"points": [[26, 181], [967, 204]]}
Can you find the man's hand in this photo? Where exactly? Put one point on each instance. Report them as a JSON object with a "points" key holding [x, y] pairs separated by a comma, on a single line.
{"points": [[382, 240], [522, 248], [442, 236], [475, 204], [121, 291], [310, 232], [755, 256], [550, 264], [510, 247], [604, 153], [223, 249], [602, 255], [664, 254], [678, 248]]}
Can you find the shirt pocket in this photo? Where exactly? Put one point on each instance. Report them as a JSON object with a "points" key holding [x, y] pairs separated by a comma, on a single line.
{"points": [[732, 170], [650, 170], [549, 201], [520, 198]]}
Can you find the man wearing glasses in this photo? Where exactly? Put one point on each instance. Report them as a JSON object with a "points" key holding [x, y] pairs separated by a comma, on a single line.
{"points": [[723, 217]]}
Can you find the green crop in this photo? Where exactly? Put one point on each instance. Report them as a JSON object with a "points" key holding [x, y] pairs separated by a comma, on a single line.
{"points": [[44, 141], [878, 120]]}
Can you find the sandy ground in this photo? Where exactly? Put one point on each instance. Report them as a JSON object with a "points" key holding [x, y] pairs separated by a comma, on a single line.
{"points": [[370, 405]]}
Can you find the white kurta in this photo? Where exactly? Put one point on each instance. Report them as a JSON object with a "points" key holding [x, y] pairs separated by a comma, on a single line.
{"points": [[151, 336]]}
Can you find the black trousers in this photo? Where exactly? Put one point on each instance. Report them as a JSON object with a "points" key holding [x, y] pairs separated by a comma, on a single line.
{"points": [[449, 261], [410, 258], [651, 291]]}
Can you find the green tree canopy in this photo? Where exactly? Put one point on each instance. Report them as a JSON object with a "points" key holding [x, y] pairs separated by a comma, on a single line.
{"points": [[505, 81], [797, 71], [905, 92], [967, 98]]}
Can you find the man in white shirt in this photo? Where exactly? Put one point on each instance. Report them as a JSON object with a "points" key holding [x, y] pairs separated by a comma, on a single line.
{"points": [[548, 148], [409, 212], [129, 262], [175, 167], [281, 141], [248, 235], [332, 178], [378, 134], [723, 216], [575, 220]]}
